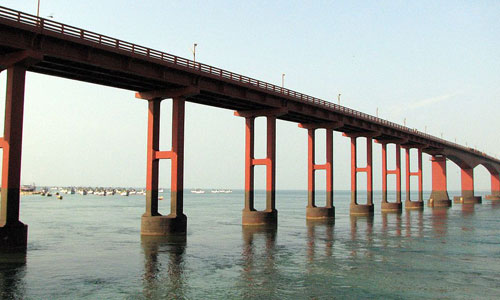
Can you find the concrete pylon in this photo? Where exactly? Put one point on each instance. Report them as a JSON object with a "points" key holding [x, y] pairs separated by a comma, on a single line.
{"points": [[355, 208], [495, 188], [269, 216], [314, 212], [152, 222], [13, 233], [439, 196], [391, 206], [467, 196], [409, 204]]}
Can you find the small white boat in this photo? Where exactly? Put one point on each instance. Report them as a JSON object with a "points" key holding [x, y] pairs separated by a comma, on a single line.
{"points": [[198, 191]]}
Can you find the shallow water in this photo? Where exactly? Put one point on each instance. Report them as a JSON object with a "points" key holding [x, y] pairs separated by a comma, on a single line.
{"points": [[89, 247]]}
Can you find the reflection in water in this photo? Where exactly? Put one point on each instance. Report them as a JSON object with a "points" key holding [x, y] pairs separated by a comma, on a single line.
{"points": [[12, 271], [439, 221], [391, 219], [467, 209], [259, 267], [319, 230], [495, 204], [391, 226], [358, 223], [414, 219], [162, 252]]}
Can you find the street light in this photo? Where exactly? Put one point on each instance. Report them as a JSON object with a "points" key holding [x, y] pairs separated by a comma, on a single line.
{"points": [[377, 112], [38, 9], [283, 80], [194, 52], [338, 98], [404, 121]]}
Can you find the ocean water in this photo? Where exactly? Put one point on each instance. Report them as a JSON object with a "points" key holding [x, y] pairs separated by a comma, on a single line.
{"points": [[89, 247]]}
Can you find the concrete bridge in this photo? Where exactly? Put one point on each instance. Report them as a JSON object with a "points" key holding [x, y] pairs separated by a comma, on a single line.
{"points": [[29, 43]]}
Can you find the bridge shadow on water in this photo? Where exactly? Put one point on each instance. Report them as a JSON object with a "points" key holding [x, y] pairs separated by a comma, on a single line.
{"points": [[164, 267], [12, 271], [259, 265]]}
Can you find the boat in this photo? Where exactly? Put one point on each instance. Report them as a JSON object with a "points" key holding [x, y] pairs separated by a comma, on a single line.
{"points": [[124, 193], [28, 188], [198, 191]]}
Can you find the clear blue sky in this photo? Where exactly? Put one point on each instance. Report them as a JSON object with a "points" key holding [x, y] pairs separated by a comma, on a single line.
{"points": [[435, 63]]}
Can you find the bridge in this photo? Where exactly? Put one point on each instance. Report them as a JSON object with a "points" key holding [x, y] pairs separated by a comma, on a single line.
{"points": [[30, 43]]}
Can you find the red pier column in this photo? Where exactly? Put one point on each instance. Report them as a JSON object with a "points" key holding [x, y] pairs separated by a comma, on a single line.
{"points": [[269, 216], [249, 169], [355, 208], [409, 204], [439, 196], [391, 206], [152, 222], [314, 212], [495, 187], [13, 233], [467, 196]]}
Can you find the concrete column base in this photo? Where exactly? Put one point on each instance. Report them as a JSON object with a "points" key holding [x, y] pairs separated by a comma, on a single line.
{"points": [[391, 206], [439, 203], [164, 225], [259, 218], [361, 210], [467, 200], [414, 205], [14, 238], [320, 213], [492, 197]]}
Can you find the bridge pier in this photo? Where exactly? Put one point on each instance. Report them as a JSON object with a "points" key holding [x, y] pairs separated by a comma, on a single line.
{"points": [[439, 196], [467, 196], [391, 206], [355, 208], [251, 216], [314, 212], [13, 233], [409, 204], [152, 222], [495, 188]]}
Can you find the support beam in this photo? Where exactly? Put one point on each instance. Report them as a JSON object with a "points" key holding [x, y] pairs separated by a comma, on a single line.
{"points": [[269, 216], [409, 204], [495, 187], [391, 206], [152, 222], [314, 212], [13, 233], [355, 208], [467, 196], [439, 196]]}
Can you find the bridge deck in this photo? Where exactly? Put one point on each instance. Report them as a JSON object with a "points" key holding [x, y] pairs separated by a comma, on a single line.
{"points": [[70, 52]]}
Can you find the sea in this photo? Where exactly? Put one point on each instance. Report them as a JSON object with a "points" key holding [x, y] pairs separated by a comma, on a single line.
{"points": [[90, 247]]}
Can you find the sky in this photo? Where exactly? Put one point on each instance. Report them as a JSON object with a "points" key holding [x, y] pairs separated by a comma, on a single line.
{"points": [[432, 64]]}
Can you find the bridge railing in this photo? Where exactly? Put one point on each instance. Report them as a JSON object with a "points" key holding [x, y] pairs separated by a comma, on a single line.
{"points": [[42, 25]]}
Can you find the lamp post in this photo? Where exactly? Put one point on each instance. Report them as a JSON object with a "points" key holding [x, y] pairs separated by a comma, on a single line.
{"points": [[338, 98], [404, 121], [377, 112], [283, 80], [38, 9], [194, 52]]}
